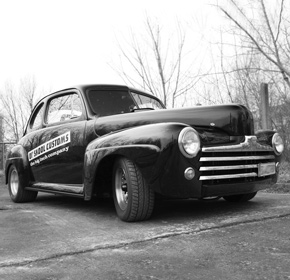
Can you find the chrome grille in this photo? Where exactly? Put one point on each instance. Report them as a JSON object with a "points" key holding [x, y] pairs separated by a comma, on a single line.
{"points": [[234, 163]]}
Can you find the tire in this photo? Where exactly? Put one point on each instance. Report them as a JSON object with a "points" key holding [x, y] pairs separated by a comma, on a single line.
{"points": [[133, 199], [16, 188], [240, 197]]}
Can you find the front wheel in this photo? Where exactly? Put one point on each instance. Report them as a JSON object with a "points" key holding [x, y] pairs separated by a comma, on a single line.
{"points": [[240, 197], [133, 199], [16, 187]]}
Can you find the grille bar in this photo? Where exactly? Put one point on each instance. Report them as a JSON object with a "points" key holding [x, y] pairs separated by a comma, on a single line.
{"points": [[229, 176], [233, 158], [231, 167]]}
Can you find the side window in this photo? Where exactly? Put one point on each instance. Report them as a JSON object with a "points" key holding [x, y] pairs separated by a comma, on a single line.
{"points": [[64, 108], [36, 120]]}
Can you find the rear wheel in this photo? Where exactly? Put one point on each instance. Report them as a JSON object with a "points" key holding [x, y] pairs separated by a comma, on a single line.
{"points": [[133, 199], [16, 187], [240, 197]]}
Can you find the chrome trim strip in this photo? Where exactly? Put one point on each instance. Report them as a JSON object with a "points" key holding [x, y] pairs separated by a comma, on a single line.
{"points": [[235, 158], [213, 168], [242, 175], [250, 144]]}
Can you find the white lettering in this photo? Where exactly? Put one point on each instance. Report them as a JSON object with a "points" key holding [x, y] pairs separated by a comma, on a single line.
{"points": [[49, 145]]}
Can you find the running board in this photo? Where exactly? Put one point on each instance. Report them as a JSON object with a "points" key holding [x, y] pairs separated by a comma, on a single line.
{"points": [[73, 189]]}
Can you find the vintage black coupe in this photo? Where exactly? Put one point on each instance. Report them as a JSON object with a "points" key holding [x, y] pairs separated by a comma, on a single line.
{"points": [[92, 140]]}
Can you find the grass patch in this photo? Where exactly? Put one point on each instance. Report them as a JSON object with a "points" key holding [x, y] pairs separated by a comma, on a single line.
{"points": [[284, 174], [279, 188], [283, 184]]}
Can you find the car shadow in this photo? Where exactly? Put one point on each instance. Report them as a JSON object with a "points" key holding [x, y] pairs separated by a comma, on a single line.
{"points": [[200, 209], [165, 209]]}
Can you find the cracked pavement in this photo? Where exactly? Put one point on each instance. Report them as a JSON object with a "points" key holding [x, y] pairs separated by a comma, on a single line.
{"points": [[67, 238]]}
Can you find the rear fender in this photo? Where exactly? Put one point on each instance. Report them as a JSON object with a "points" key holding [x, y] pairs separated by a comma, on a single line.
{"points": [[18, 156]]}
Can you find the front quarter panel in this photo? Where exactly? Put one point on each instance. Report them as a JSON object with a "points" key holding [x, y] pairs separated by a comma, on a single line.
{"points": [[152, 147]]}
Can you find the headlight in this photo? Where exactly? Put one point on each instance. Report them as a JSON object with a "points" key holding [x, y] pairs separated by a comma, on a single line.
{"points": [[189, 143], [277, 144]]}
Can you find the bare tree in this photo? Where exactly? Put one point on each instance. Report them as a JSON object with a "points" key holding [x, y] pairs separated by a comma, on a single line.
{"points": [[1, 128], [264, 27], [28, 90], [11, 110], [158, 65], [16, 107]]}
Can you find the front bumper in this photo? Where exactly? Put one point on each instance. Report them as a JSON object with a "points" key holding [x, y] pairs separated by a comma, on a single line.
{"points": [[233, 189]]}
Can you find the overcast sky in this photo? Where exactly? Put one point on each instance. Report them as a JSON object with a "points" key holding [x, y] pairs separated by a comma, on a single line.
{"points": [[68, 42]]}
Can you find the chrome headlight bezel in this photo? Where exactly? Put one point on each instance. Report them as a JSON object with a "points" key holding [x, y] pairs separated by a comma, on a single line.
{"points": [[277, 144], [189, 142]]}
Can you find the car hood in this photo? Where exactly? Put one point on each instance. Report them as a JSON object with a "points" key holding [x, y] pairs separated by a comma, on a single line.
{"points": [[230, 120]]}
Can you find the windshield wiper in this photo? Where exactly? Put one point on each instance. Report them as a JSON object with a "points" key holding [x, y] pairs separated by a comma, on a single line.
{"points": [[140, 109]]}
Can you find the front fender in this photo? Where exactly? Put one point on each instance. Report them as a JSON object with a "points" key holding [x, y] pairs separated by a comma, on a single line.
{"points": [[18, 157], [148, 146]]}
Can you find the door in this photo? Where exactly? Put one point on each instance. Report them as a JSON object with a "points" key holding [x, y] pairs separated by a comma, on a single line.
{"points": [[56, 153]]}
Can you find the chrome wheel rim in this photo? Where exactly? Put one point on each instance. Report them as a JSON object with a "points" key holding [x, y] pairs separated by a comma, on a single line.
{"points": [[121, 189], [14, 182]]}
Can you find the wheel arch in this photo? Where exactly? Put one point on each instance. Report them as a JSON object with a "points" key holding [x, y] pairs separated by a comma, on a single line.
{"points": [[18, 157], [103, 175]]}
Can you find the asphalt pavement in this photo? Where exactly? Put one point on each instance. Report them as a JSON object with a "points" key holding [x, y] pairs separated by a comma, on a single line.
{"points": [[66, 238]]}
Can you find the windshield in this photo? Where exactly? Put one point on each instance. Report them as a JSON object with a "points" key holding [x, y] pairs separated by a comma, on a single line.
{"points": [[146, 102], [112, 102]]}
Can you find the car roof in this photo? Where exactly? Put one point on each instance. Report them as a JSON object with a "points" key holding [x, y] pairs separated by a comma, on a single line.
{"points": [[84, 87]]}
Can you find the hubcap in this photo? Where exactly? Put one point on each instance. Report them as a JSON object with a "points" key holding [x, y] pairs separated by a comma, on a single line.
{"points": [[121, 188], [14, 182]]}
